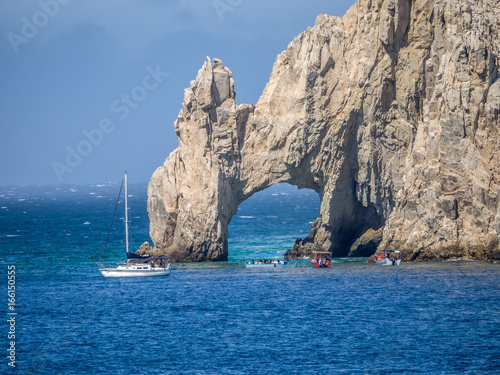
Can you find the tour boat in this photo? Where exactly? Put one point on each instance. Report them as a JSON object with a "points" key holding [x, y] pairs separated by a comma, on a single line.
{"points": [[268, 261], [388, 258], [322, 259], [148, 266]]}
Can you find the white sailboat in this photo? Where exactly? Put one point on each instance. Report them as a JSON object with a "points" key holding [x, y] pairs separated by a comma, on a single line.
{"points": [[158, 266]]}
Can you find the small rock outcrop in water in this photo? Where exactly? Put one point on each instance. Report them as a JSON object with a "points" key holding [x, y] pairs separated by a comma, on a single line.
{"points": [[390, 113]]}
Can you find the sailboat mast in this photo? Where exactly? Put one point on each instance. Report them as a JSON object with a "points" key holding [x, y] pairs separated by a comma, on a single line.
{"points": [[126, 214]]}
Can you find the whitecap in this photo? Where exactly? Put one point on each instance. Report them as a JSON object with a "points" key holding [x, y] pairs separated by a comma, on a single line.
{"points": [[92, 193], [86, 223], [5, 208], [13, 235], [247, 217], [21, 200], [101, 185]]}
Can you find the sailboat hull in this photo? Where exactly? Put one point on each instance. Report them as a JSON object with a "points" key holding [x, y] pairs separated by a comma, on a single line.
{"points": [[134, 271]]}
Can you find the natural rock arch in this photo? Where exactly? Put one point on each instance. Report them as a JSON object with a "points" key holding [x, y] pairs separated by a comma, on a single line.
{"points": [[227, 153], [380, 112]]}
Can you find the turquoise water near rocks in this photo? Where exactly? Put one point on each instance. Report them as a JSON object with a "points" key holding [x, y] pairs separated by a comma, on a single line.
{"points": [[220, 318]]}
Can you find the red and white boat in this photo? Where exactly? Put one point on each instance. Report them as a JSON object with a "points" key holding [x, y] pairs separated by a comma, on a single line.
{"points": [[321, 259]]}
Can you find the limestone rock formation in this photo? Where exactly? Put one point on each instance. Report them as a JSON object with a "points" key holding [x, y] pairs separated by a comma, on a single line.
{"points": [[390, 113]]}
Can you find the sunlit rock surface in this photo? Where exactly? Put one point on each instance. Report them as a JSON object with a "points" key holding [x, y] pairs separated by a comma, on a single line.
{"points": [[390, 113]]}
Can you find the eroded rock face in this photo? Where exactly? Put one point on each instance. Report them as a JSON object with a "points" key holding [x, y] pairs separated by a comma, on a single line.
{"points": [[390, 113]]}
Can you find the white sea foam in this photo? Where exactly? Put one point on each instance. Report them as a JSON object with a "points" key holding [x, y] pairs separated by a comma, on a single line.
{"points": [[247, 217], [86, 223], [13, 235]]}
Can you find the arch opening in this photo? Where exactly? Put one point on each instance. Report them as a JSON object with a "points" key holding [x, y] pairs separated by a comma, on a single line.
{"points": [[271, 220]]}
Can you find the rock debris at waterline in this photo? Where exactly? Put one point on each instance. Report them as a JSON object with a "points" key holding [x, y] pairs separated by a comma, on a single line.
{"points": [[390, 113]]}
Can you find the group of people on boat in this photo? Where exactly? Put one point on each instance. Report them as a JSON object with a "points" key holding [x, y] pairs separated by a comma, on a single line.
{"points": [[160, 264], [380, 257], [322, 261], [386, 256], [267, 261]]}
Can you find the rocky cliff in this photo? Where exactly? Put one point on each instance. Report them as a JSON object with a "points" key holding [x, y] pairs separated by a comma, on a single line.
{"points": [[390, 113]]}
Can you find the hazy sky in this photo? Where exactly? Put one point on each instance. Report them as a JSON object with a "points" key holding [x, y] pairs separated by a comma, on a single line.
{"points": [[92, 87]]}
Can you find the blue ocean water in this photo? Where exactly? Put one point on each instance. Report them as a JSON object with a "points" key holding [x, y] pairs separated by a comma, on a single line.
{"points": [[220, 318]]}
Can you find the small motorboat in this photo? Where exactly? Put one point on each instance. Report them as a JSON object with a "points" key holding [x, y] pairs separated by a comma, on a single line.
{"points": [[388, 258], [321, 259], [268, 261]]}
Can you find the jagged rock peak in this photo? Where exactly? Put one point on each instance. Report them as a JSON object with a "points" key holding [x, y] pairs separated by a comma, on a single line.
{"points": [[390, 113]]}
